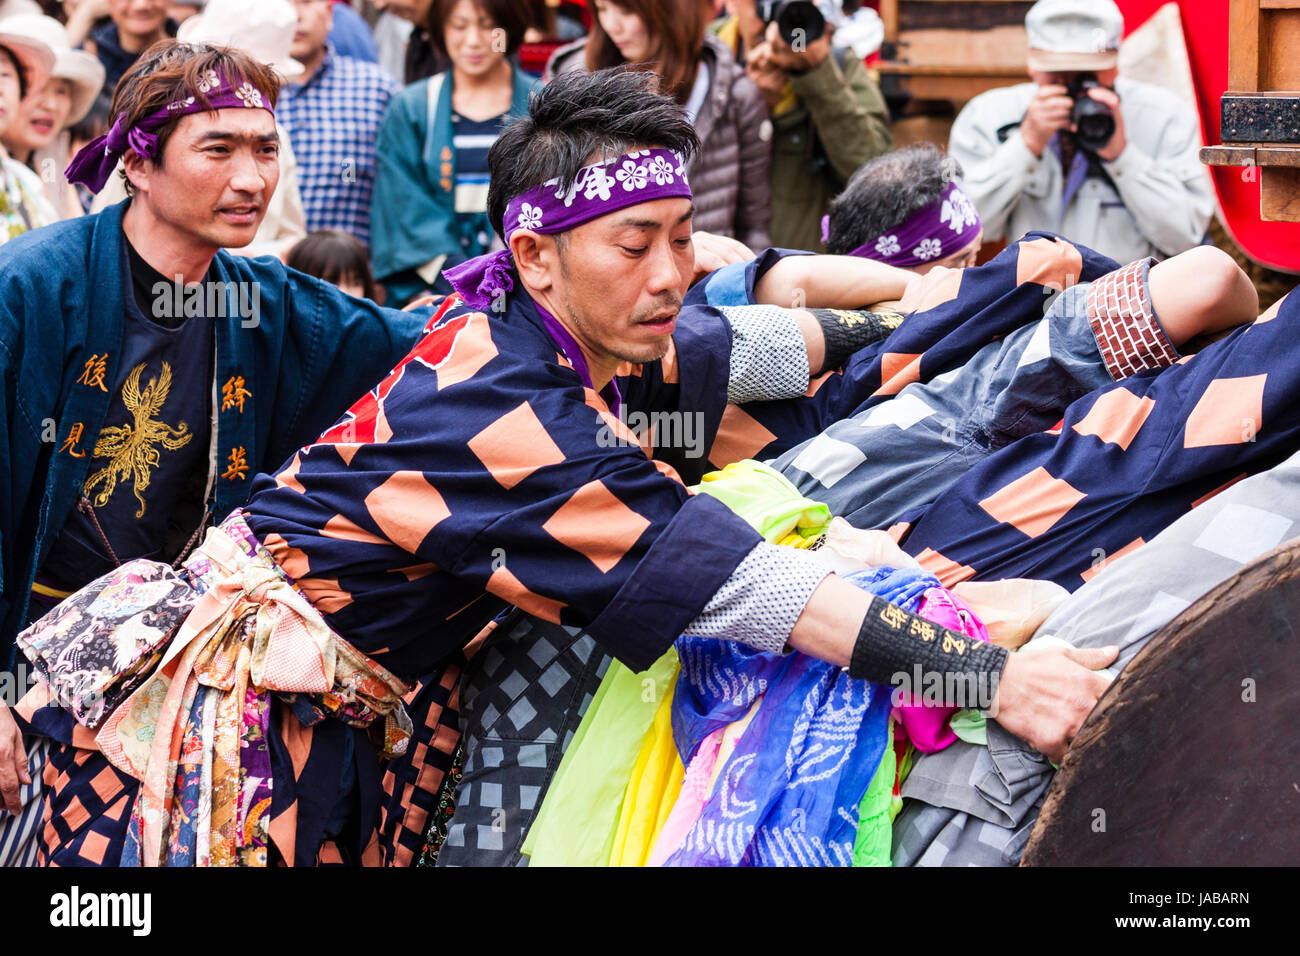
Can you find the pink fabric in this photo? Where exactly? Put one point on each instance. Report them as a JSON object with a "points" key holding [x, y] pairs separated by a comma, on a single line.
{"points": [[690, 802], [927, 726]]}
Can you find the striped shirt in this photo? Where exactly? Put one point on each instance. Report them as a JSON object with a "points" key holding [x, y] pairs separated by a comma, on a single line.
{"points": [[472, 139]]}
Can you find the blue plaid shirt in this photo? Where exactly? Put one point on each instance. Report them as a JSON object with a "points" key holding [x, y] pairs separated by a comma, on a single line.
{"points": [[333, 120]]}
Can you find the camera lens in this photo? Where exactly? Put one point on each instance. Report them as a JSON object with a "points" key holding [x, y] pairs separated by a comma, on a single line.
{"points": [[799, 22], [1094, 123]]}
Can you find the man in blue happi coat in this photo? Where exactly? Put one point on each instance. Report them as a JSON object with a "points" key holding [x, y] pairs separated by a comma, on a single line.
{"points": [[149, 375]]}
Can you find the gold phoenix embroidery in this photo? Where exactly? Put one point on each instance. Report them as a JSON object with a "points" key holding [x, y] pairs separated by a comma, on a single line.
{"points": [[132, 450]]}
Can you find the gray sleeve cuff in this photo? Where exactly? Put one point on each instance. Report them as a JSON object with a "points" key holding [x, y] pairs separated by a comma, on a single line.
{"points": [[769, 357], [760, 602]]}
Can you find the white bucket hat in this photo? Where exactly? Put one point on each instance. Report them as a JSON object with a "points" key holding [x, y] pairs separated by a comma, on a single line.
{"points": [[34, 57], [263, 29], [83, 70], [1074, 35]]}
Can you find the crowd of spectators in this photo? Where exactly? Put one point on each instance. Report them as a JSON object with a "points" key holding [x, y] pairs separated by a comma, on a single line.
{"points": [[388, 109]]}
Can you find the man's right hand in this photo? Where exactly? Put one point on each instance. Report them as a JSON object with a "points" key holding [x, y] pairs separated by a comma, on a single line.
{"points": [[1048, 112], [13, 762], [1043, 698], [712, 252]]}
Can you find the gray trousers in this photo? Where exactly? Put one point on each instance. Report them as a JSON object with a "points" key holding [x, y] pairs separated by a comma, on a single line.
{"points": [[901, 454]]}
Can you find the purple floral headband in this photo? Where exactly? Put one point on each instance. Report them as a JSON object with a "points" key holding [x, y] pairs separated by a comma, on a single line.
{"points": [[948, 224], [629, 180], [98, 158]]}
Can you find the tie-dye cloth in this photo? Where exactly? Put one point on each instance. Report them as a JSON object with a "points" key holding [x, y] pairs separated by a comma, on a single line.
{"points": [[790, 793]]}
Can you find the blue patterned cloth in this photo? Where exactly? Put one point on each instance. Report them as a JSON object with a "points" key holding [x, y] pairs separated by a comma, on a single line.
{"points": [[333, 120], [789, 793]]}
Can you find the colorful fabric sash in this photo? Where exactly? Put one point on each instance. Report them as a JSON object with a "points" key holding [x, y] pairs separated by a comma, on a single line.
{"points": [[936, 231], [194, 732], [599, 189], [97, 159]]}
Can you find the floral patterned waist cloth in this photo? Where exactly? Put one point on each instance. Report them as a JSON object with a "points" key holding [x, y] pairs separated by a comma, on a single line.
{"points": [[174, 671]]}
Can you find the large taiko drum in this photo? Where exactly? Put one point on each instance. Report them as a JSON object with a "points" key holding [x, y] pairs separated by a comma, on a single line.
{"points": [[1192, 757]]}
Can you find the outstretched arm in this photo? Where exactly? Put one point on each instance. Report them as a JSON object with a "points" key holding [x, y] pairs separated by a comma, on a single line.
{"points": [[830, 282], [1041, 698]]}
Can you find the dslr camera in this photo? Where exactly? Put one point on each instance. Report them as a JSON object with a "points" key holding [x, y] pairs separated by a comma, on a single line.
{"points": [[798, 21], [1094, 122]]}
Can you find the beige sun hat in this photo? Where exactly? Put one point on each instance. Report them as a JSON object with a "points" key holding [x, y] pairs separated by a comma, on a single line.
{"points": [[263, 29], [83, 70], [1074, 35], [34, 57]]}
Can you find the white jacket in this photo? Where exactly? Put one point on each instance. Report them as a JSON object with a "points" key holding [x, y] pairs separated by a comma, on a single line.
{"points": [[1161, 199]]}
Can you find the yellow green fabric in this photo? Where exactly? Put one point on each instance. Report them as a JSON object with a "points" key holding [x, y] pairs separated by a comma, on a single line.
{"points": [[876, 813], [768, 502], [969, 725], [652, 789], [579, 819], [621, 774], [904, 768]]}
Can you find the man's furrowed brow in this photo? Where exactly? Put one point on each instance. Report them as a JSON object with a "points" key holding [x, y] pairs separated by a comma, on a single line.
{"points": [[214, 135]]}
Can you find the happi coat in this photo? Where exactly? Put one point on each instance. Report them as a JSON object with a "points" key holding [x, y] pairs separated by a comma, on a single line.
{"points": [[481, 473], [310, 352]]}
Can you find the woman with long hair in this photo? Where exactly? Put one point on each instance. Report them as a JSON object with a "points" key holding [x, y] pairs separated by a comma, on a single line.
{"points": [[430, 203], [729, 176]]}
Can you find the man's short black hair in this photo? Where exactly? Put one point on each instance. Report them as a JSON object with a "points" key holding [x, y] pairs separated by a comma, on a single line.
{"points": [[576, 119], [885, 191]]}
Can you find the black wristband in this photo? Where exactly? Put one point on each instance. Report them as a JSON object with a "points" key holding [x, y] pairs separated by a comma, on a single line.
{"points": [[846, 331], [934, 664]]}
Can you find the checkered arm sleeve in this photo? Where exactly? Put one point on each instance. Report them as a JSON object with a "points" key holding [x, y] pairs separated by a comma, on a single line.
{"points": [[1125, 324], [769, 358], [760, 602]]}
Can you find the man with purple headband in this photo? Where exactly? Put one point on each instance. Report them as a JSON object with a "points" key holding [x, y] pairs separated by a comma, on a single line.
{"points": [[489, 469], [906, 209]]}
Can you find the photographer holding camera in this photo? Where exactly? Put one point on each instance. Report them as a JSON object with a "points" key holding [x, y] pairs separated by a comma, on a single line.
{"points": [[828, 117], [1102, 159]]}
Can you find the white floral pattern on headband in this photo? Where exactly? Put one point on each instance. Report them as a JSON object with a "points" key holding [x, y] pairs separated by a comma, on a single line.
{"points": [[594, 181], [530, 217], [887, 245], [928, 249], [249, 95], [208, 81], [958, 212]]}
